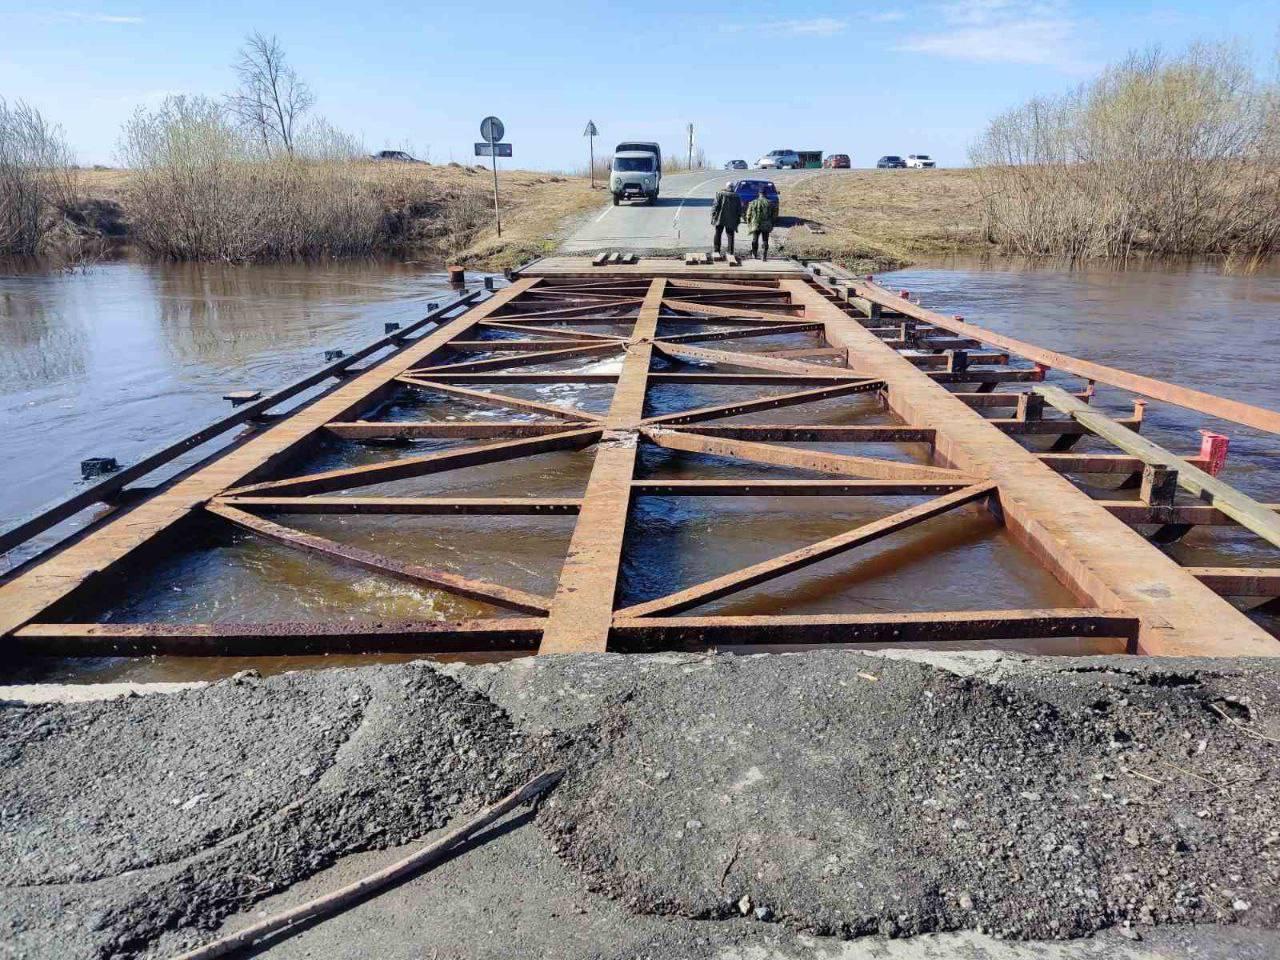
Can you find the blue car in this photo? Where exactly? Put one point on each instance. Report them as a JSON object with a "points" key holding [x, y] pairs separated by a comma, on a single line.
{"points": [[748, 190]]}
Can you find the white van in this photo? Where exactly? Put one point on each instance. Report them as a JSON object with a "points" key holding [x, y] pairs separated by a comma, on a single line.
{"points": [[636, 171]]}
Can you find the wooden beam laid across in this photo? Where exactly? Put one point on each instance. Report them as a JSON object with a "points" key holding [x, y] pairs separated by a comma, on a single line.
{"points": [[1246, 511]]}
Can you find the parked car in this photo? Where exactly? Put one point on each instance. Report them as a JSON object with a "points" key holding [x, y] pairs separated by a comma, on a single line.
{"points": [[748, 190], [779, 160], [837, 161], [395, 156], [736, 165], [634, 175], [891, 163], [920, 161]]}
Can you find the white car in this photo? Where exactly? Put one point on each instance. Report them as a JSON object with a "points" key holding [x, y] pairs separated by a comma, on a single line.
{"points": [[920, 161], [779, 160]]}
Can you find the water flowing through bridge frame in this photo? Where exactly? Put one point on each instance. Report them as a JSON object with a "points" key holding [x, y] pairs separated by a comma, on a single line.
{"points": [[695, 318]]}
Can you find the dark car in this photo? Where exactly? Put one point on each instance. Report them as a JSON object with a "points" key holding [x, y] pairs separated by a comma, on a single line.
{"points": [[395, 156], [837, 161], [736, 165], [891, 163], [748, 190]]}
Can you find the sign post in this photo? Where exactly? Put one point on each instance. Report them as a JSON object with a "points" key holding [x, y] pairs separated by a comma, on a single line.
{"points": [[491, 129], [591, 133]]}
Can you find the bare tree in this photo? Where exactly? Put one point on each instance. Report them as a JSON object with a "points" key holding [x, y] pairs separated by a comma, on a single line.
{"points": [[271, 97]]}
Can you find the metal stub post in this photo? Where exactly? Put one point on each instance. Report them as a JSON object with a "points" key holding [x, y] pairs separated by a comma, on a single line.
{"points": [[331, 355], [1030, 406], [957, 361], [907, 332], [1213, 448], [390, 327], [98, 467], [457, 275], [238, 397], [1159, 485], [488, 284]]}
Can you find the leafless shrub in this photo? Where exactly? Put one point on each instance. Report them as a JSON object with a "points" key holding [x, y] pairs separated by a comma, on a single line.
{"points": [[203, 190], [1165, 155], [38, 184]]}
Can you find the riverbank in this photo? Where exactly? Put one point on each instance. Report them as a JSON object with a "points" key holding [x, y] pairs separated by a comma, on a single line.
{"points": [[712, 806], [435, 212], [876, 220]]}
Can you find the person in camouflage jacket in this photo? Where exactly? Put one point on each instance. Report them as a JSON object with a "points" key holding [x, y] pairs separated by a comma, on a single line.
{"points": [[726, 214], [760, 220]]}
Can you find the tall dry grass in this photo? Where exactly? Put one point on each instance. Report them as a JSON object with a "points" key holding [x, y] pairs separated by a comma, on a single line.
{"points": [[1162, 155], [203, 190], [38, 184]]}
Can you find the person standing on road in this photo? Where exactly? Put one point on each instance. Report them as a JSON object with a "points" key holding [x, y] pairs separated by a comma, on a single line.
{"points": [[726, 214], [760, 218]]}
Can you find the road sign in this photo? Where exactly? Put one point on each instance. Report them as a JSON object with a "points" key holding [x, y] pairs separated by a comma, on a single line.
{"points": [[491, 129], [591, 133], [493, 149]]}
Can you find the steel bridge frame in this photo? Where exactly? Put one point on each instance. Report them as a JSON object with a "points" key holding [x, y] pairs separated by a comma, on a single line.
{"points": [[840, 344]]}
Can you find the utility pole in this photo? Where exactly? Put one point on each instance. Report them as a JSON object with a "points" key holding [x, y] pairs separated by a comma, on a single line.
{"points": [[691, 146], [590, 133]]}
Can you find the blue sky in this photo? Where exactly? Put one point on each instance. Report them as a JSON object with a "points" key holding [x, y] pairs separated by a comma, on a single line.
{"points": [[853, 77]]}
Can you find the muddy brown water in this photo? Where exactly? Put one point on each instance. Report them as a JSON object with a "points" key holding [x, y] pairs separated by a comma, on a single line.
{"points": [[123, 357]]}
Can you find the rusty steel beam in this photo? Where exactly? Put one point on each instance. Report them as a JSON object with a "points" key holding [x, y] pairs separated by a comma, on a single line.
{"points": [[754, 361], [1100, 462], [500, 346], [720, 411], [551, 376], [870, 468], [1239, 581], [794, 560], [792, 488], [491, 593], [499, 399], [444, 429], [1260, 418], [523, 359], [423, 506], [697, 633], [739, 314], [759, 379], [582, 608], [548, 331], [811, 433], [287, 638], [347, 478], [1105, 563], [743, 334]]}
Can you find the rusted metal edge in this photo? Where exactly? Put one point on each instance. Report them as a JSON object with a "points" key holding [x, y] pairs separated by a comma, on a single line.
{"points": [[696, 633]]}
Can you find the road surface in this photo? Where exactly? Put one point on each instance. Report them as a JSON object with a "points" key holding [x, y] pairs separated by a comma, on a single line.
{"points": [[680, 220]]}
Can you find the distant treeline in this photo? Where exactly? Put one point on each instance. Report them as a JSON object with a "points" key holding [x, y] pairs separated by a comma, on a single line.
{"points": [[1160, 155]]}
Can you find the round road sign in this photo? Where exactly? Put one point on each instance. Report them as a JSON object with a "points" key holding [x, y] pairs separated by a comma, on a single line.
{"points": [[491, 129]]}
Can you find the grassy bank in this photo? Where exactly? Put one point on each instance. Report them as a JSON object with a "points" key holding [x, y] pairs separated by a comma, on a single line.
{"points": [[426, 211], [880, 219]]}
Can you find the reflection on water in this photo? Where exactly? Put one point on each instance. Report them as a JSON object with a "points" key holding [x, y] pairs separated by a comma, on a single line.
{"points": [[123, 357]]}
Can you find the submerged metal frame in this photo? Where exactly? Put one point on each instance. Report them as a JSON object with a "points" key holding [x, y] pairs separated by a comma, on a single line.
{"points": [[1128, 589]]}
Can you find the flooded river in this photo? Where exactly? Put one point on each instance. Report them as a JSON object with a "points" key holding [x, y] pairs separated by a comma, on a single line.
{"points": [[121, 358]]}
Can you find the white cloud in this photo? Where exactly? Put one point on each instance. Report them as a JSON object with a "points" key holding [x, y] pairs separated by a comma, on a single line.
{"points": [[76, 16], [813, 27], [1039, 32]]}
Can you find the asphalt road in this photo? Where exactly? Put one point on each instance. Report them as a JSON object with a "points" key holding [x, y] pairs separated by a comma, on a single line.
{"points": [[680, 220]]}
